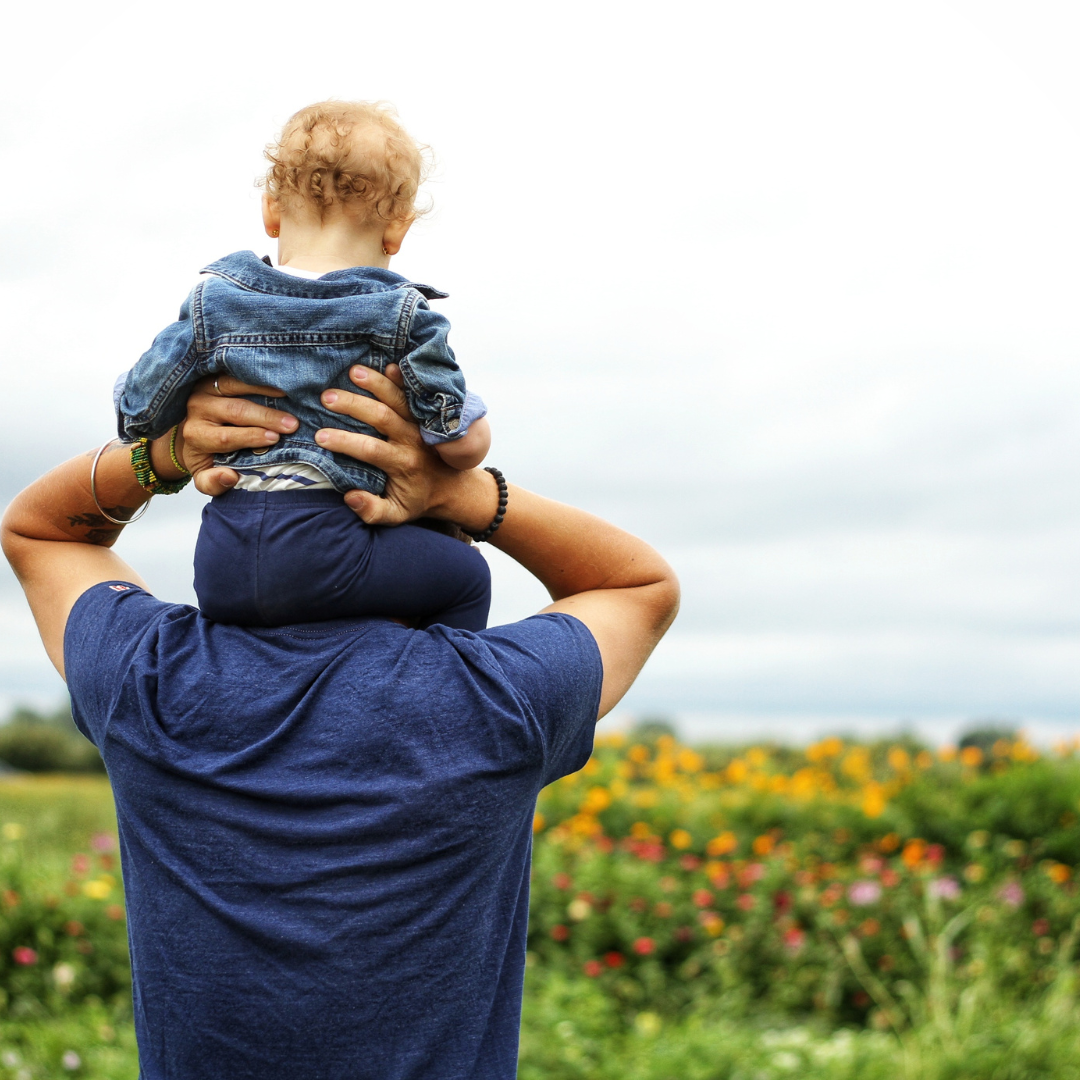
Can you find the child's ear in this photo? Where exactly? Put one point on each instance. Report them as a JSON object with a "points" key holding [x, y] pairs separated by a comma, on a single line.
{"points": [[394, 234], [271, 214]]}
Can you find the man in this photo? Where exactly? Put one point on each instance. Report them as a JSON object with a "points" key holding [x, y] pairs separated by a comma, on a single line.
{"points": [[325, 829]]}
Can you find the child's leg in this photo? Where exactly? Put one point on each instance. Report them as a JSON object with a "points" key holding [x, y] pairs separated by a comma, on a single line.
{"points": [[269, 559]]}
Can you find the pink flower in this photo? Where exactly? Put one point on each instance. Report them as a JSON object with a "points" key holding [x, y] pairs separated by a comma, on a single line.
{"points": [[794, 939], [102, 841], [862, 893], [80, 864], [24, 956], [644, 945], [746, 901], [945, 887], [702, 897], [1011, 893], [592, 968]]}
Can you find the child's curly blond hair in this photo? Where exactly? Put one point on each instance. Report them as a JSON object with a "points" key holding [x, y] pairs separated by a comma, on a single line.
{"points": [[349, 153]]}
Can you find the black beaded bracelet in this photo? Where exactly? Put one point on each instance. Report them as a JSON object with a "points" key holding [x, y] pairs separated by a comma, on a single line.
{"points": [[496, 521]]}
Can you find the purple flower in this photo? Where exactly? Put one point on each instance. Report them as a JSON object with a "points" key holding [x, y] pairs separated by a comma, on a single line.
{"points": [[861, 893], [945, 887], [1011, 893]]}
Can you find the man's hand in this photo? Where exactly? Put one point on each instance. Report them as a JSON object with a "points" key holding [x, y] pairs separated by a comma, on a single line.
{"points": [[220, 420], [418, 482]]}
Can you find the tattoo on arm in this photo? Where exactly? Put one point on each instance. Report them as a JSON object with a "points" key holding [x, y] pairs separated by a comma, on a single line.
{"points": [[99, 530]]}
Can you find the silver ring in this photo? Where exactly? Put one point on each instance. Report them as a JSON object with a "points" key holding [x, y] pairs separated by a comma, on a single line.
{"points": [[93, 491], [217, 389]]}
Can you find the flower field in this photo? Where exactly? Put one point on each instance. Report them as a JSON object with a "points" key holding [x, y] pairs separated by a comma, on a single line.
{"points": [[847, 910]]}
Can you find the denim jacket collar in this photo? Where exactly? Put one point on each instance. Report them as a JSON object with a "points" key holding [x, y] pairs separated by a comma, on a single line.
{"points": [[248, 271]]}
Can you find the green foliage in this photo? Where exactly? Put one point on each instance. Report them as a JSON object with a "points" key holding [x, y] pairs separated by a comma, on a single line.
{"points": [[49, 742], [853, 912]]}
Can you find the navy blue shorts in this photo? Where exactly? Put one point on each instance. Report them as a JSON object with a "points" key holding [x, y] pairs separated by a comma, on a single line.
{"points": [[279, 557]]}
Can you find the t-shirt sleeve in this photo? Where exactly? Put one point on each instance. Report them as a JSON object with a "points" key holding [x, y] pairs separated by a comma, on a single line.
{"points": [[103, 634], [553, 663]]}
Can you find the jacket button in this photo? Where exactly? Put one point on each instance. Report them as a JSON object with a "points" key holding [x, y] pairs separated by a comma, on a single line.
{"points": [[261, 450]]}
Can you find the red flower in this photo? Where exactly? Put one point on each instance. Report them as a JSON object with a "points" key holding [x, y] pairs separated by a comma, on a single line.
{"points": [[689, 862], [684, 933], [24, 956], [746, 901], [663, 910], [561, 881], [890, 878], [614, 959], [794, 939], [605, 844], [702, 897], [935, 853], [80, 864], [782, 901], [559, 933], [592, 968], [1040, 927], [114, 912], [644, 945]]}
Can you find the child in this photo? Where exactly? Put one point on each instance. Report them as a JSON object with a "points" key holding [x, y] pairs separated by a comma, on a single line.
{"points": [[282, 546]]}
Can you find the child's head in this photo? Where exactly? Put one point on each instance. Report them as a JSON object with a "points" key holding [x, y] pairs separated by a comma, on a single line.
{"points": [[346, 157]]}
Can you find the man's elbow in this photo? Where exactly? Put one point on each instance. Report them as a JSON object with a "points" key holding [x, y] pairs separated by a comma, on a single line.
{"points": [[668, 595]]}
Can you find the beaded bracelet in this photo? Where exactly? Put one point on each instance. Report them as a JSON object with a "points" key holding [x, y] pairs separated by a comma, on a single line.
{"points": [[493, 528], [147, 479], [172, 452]]}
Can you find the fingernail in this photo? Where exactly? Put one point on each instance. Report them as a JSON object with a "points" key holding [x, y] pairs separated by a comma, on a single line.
{"points": [[321, 437], [359, 373], [270, 436], [329, 397], [289, 423]]}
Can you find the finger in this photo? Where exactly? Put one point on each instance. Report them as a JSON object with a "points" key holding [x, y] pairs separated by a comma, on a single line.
{"points": [[231, 386], [383, 418], [239, 412], [215, 481], [382, 455], [375, 511], [386, 390], [204, 437], [393, 373]]}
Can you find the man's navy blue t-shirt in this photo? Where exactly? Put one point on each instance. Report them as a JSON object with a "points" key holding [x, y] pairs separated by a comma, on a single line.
{"points": [[325, 831]]}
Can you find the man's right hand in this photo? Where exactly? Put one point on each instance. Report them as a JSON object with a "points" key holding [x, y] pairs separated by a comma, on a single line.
{"points": [[220, 420]]}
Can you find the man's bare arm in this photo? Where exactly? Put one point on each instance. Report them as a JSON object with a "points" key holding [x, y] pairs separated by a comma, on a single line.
{"points": [[616, 584]]}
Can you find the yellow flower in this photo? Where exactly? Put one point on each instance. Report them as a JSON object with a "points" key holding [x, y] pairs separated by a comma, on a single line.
{"points": [[757, 757], [924, 759], [597, 799], [971, 756], [538, 822], [873, 802], [579, 909], [97, 889], [640, 831], [638, 753], [13, 830], [899, 759], [947, 753], [724, 844], [737, 771], [690, 761], [681, 839]]}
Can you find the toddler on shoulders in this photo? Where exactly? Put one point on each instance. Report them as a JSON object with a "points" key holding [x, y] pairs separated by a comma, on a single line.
{"points": [[282, 546]]}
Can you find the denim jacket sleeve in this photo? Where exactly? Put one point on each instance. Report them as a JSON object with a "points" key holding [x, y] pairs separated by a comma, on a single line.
{"points": [[434, 385], [156, 390]]}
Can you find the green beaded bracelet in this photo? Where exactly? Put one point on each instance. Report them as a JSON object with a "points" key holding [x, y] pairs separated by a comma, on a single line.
{"points": [[147, 479]]}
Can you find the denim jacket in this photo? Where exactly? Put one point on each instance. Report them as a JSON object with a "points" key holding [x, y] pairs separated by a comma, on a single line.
{"points": [[249, 320]]}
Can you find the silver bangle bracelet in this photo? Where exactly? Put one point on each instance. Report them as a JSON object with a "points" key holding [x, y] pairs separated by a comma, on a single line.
{"points": [[93, 491]]}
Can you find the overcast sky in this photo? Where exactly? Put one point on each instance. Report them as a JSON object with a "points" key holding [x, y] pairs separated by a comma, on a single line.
{"points": [[786, 288]]}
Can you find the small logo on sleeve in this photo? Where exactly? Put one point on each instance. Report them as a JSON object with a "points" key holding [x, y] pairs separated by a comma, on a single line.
{"points": [[119, 588]]}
